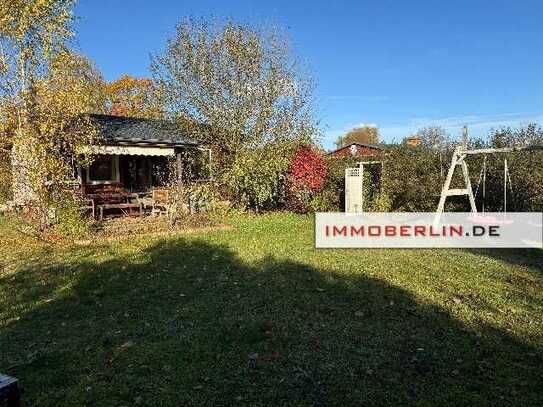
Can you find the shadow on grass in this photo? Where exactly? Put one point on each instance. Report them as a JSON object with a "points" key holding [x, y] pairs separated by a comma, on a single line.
{"points": [[188, 323]]}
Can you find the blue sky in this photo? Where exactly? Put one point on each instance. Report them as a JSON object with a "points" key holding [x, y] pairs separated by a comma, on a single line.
{"points": [[399, 65]]}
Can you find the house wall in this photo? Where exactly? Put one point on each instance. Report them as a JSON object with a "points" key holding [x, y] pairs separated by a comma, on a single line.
{"points": [[413, 141]]}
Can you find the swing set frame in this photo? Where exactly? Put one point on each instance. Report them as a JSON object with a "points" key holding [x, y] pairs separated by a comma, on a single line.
{"points": [[459, 159]]}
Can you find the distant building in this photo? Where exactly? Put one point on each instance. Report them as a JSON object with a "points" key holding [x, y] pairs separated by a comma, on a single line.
{"points": [[412, 141], [357, 150]]}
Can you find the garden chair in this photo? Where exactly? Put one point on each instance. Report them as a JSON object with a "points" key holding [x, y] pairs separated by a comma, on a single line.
{"points": [[161, 201]]}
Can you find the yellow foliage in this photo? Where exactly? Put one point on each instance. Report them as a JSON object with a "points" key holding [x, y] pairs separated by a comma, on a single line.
{"points": [[132, 97]]}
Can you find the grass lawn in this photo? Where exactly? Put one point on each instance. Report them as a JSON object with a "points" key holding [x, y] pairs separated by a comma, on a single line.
{"points": [[256, 316]]}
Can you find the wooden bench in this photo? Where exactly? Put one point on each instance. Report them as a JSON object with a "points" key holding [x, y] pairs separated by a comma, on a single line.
{"points": [[9, 392], [122, 207]]}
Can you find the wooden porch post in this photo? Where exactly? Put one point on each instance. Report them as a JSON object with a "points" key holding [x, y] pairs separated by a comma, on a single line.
{"points": [[179, 168]]}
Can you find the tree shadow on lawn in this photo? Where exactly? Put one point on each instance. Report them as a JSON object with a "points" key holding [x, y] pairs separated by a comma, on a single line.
{"points": [[189, 323]]}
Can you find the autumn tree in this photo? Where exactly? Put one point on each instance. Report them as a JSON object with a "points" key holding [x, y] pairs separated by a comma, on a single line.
{"points": [[132, 97], [31, 33], [361, 134], [238, 87], [46, 89], [71, 88]]}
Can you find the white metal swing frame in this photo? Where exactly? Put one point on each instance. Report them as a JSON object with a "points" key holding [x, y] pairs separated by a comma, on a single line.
{"points": [[458, 159]]}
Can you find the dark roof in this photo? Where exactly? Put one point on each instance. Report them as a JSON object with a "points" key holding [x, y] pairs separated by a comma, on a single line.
{"points": [[137, 131]]}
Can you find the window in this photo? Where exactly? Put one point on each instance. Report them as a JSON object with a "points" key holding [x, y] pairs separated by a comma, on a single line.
{"points": [[104, 169]]}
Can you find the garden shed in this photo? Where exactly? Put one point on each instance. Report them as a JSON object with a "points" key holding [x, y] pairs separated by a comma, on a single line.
{"points": [[131, 158], [133, 153], [357, 150]]}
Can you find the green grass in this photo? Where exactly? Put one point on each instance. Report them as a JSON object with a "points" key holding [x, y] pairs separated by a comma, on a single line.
{"points": [[256, 316]]}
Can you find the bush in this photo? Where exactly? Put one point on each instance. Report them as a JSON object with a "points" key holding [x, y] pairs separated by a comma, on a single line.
{"points": [[306, 177], [192, 200], [69, 221], [412, 178], [202, 197], [256, 179], [408, 180], [325, 200], [381, 203], [331, 197]]}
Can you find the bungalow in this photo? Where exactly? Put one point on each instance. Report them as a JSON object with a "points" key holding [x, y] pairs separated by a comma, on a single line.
{"points": [[133, 153], [357, 150], [132, 157]]}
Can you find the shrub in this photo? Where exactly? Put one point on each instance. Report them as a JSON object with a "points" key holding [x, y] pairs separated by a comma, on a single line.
{"points": [[69, 222], [381, 203], [306, 177], [325, 200], [196, 204], [412, 178], [204, 197], [331, 197], [256, 179]]}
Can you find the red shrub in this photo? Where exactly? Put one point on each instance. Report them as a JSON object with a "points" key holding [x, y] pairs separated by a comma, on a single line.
{"points": [[307, 169], [306, 177]]}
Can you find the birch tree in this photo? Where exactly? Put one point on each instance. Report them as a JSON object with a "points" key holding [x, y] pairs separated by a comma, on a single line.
{"points": [[240, 84], [43, 90]]}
